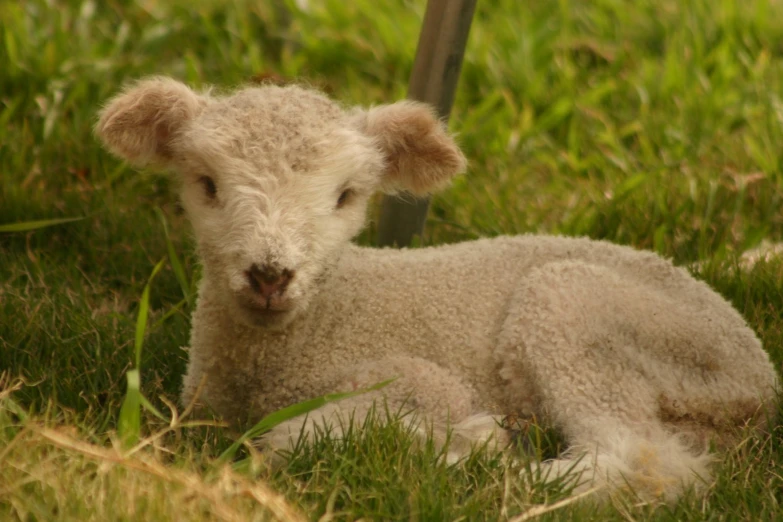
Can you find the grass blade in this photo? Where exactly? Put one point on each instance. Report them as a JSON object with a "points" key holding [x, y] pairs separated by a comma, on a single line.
{"points": [[35, 225], [141, 319], [173, 310], [14, 407], [176, 264], [152, 409], [295, 410], [129, 425]]}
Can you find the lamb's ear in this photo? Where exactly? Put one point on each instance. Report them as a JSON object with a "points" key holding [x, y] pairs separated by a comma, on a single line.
{"points": [[420, 156], [139, 123]]}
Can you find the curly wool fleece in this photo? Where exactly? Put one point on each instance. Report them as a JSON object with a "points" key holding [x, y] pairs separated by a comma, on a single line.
{"points": [[636, 363]]}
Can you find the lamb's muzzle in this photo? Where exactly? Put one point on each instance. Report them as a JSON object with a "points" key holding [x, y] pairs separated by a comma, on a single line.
{"points": [[264, 300], [269, 282]]}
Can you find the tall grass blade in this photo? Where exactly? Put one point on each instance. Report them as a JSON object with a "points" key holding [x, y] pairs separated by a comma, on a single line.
{"points": [[35, 225], [176, 264], [141, 319], [129, 425], [295, 410]]}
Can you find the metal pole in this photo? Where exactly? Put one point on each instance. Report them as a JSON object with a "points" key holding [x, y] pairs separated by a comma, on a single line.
{"points": [[444, 34]]}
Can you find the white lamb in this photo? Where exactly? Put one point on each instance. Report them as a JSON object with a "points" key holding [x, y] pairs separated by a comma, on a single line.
{"points": [[635, 362]]}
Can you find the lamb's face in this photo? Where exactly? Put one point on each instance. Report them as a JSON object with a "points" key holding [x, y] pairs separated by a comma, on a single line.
{"points": [[276, 180]]}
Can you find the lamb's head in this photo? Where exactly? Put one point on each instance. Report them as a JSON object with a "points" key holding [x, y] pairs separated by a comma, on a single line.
{"points": [[276, 180]]}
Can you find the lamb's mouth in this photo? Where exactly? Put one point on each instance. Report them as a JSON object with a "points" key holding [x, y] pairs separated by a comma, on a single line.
{"points": [[266, 310], [270, 315], [257, 313], [257, 304]]}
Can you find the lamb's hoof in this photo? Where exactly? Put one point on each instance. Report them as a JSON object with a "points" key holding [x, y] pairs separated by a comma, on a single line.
{"points": [[476, 431], [523, 431]]}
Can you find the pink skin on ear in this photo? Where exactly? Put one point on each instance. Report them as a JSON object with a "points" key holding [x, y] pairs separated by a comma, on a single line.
{"points": [[420, 155], [139, 124]]}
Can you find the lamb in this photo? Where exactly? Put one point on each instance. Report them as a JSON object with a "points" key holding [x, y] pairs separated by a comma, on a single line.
{"points": [[637, 363]]}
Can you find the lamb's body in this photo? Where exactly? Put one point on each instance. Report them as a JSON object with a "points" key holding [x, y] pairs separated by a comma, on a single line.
{"points": [[378, 303], [636, 362], [638, 344]]}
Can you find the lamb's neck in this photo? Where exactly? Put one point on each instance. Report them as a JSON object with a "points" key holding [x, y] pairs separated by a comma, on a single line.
{"points": [[338, 278]]}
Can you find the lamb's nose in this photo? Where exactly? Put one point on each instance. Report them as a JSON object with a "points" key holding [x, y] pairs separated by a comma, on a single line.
{"points": [[268, 281]]}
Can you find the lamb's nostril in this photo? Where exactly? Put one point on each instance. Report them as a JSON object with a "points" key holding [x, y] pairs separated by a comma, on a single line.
{"points": [[268, 281]]}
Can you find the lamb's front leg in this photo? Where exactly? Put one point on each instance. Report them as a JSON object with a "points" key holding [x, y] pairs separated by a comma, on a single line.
{"points": [[440, 403]]}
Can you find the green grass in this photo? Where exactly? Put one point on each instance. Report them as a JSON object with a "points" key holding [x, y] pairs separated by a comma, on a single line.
{"points": [[654, 123]]}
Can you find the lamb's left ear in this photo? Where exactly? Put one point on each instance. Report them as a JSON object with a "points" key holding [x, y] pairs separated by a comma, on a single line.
{"points": [[420, 155]]}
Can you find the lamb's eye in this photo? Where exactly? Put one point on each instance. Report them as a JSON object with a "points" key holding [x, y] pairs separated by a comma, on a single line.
{"points": [[345, 195], [209, 186]]}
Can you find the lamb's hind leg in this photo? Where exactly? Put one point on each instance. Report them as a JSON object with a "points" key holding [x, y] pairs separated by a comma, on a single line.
{"points": [[437, 402], [601, 350]]}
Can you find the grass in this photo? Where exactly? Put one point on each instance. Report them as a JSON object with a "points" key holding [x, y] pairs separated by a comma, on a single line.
{"points": [[651, 123]]}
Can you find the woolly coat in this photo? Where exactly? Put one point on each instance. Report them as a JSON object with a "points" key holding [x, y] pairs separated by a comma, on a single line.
{"points": [[560, 327]]}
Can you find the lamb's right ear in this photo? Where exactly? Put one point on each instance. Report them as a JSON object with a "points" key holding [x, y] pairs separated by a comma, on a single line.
{"points": [[139, 124]]}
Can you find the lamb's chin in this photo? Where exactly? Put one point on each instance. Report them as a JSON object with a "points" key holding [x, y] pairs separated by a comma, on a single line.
{"points": [[273, 320]]}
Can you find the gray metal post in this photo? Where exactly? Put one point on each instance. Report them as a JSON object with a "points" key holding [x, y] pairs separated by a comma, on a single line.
{"points": [[444, 34]]}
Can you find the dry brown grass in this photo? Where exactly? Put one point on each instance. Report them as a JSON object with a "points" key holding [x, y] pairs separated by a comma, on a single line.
{"points": [[48, 474]]}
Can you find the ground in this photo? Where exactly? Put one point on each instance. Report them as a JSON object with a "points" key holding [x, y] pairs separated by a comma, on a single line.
{"points": [[655, 123]]}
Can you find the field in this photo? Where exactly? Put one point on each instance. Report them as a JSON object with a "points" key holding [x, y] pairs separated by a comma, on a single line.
{"points": [[652, 123]]}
